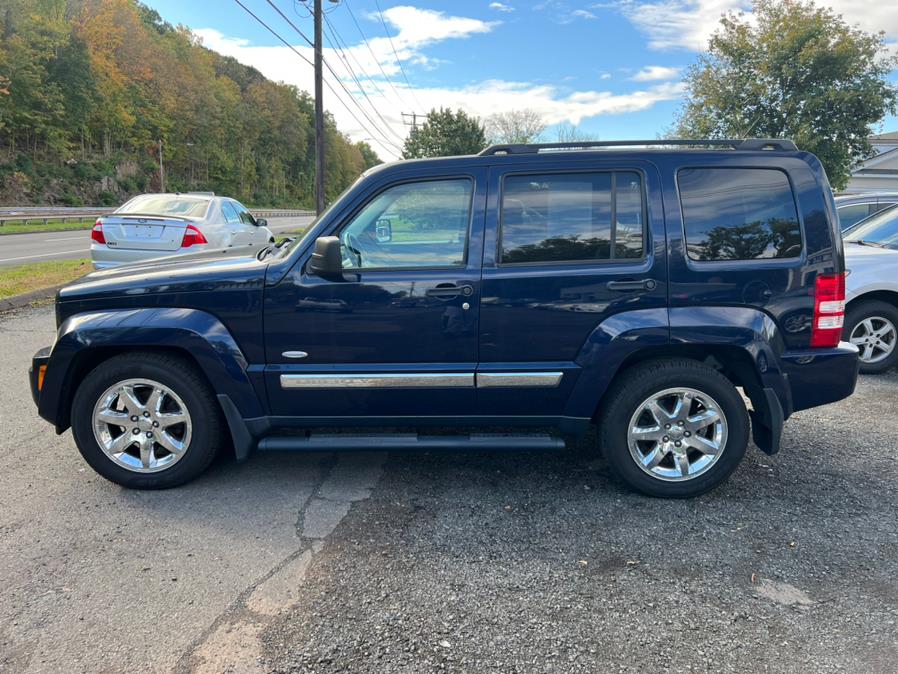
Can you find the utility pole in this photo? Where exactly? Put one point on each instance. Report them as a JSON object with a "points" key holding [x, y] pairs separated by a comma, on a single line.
{"points": [[414, 122], [161, 169], [319, 114]]}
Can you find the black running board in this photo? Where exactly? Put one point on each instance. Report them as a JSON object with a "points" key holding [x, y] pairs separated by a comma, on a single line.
{"points": [[318, 442]]}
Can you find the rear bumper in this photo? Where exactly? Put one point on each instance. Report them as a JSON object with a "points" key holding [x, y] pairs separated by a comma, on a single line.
{"points": [[41, 358], [818, 376], [104, 257]]}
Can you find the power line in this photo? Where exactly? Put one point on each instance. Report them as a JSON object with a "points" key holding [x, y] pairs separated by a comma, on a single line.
{"points": [[374, 56], [342, 55], [380, 136], [380, 13]]}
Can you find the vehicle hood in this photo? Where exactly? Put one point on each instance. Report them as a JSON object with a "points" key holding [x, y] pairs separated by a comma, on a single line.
{"points": [[206, 271]]}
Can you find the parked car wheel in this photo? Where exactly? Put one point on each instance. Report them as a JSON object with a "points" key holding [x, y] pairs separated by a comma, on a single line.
{"points": [[872, 326], [673, 429], [146, 421]]}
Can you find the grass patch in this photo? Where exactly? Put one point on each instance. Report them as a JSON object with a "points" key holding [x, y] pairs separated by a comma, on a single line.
{"points": [[38, 275], [51, 226]]}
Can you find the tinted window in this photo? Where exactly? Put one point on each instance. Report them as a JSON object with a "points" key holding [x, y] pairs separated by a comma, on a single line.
{"points": [[572, 217], [739, 214], [422, 224], [849, 215]]}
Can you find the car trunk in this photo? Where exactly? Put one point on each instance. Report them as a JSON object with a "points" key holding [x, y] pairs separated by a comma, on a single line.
{"points": [[144, 232]]}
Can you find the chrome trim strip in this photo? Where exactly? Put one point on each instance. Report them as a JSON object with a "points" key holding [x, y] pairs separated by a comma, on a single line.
{"points": [[294, 354], [516, 379], [412, 380]]}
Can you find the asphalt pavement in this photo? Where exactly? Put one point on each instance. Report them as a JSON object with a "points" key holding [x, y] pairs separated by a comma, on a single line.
{"points": [[16, 249], [505, 562]]}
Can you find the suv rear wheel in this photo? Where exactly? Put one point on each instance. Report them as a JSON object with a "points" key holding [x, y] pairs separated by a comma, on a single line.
{"points": [[673, 429], [872, 326], [146, 421]]}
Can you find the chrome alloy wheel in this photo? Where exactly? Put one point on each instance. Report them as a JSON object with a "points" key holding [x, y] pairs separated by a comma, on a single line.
{"points": [[677, 434], [142, 425], [876, 337]]}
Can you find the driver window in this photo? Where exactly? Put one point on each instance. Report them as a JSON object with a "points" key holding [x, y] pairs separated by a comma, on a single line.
{"points": [[420, 224]]}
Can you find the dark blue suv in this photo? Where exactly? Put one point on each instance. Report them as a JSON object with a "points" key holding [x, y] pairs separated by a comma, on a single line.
{"points": [[647, 288]]}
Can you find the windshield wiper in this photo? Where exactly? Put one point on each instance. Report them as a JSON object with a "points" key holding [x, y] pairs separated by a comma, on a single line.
{"points": [[864, 242]]}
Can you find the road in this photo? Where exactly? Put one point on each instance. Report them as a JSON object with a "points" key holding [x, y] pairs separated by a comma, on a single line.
{"points": [[16, 249], [508, 562]]}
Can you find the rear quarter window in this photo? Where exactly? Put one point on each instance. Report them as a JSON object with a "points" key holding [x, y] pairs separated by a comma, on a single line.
{"points": [[738, 214]]}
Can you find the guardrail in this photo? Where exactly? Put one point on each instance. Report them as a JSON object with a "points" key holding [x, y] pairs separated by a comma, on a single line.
{"points": [[30, 214]]}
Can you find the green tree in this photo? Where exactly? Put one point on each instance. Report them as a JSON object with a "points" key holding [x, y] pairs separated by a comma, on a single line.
{"points": [[796, 71], [445, 133]]}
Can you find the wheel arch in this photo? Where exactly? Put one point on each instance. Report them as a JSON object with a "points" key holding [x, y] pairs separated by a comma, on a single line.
{"points": [[86, 340], [887, 296]]}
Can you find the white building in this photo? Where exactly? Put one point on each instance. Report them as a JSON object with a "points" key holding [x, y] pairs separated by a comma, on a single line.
{"points": [[880, 172]]}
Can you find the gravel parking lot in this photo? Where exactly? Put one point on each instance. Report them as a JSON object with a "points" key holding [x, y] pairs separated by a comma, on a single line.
{"points": [[488, 562]]}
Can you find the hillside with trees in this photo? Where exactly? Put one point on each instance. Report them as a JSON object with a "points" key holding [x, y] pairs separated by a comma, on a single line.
{"points": [[88, 88]]}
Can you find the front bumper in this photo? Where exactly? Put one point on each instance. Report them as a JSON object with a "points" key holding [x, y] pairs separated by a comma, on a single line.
{"points": [[41, 358]]}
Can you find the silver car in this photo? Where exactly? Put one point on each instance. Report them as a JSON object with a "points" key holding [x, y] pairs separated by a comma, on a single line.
{"points": [[160, 225]]}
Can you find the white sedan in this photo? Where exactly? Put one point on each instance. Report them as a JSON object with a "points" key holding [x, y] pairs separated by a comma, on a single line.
{"points": [[871, 317], [161, 225]]}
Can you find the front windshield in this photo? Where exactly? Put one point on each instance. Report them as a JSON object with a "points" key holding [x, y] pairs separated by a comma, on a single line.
{"points": [[880, 229], [299, 241]]}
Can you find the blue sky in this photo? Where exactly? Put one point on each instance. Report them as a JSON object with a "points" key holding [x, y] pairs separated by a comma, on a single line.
{"points": [[613, 68]]}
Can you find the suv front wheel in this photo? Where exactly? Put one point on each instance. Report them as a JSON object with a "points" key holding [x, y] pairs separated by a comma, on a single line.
{"points": [[673, 429], [146, 421]]}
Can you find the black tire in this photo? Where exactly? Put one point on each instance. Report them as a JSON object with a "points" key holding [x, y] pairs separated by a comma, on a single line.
{"points": [[860, 311], [181, 377], [639, 383]]}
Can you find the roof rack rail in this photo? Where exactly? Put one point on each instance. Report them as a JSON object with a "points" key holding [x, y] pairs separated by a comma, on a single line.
{"points": [[749, 144]]}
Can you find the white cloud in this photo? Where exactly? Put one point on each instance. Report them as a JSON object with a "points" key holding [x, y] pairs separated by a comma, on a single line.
{"points": [[656, 74], [393, 97], [501, 7], [583, 14], [605, 76], [688, 24]]}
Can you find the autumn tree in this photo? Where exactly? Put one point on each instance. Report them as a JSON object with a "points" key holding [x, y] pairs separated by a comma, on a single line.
{"points": [[792, 70], [445, 133]]}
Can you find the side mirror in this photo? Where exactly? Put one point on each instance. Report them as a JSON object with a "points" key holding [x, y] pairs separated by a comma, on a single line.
{"points": [[327, 260], [261, 222], [383, 230]]}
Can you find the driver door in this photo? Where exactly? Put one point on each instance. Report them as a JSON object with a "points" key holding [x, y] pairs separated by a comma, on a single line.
{"points": [[396, 336]]}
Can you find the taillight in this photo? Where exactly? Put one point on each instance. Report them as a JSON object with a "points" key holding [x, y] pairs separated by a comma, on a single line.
{"points": [[96, 234], [192, 237], [829, 310]]}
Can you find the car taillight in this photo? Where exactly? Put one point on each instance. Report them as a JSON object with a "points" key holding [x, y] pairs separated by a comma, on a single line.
{"points": [[829, 310], [96, 234], [192, 237]]}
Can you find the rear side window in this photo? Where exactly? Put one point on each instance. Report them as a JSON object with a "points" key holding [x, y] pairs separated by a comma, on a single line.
{"points": [[572, 217], [851, 215], [738, 214]]}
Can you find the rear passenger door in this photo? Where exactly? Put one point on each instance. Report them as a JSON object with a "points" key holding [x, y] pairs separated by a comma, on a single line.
{"points": [[569, 245], [239, 232]]}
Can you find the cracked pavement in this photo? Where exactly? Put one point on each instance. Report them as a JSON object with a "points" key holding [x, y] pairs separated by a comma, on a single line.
{"points": [[511, 562]]}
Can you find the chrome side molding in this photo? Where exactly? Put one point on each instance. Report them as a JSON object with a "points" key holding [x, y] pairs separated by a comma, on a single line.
{"points": [[412, 380], [423, 380], [514, 379], [294, 354]]}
